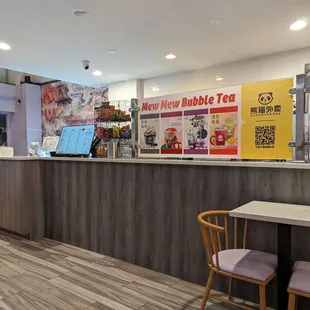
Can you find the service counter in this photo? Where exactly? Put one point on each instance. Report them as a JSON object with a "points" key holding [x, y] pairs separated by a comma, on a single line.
{"points": [[145, 211]]}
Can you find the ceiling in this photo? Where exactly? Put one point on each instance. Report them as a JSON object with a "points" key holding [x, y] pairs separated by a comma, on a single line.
{"points": [[47, 40]]}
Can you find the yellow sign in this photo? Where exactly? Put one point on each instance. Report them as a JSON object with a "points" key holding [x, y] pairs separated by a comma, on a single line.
{"points": [[267, 115]]}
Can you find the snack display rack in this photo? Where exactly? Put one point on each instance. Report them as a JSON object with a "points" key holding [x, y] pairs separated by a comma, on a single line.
{"points": [[113, 124]]}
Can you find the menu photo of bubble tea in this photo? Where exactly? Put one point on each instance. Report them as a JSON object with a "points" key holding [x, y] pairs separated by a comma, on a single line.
{"points": [[149, 134], [224, 133], [171, 135], [196, 132]]}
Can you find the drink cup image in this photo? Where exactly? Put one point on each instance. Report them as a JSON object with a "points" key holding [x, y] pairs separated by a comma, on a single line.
{"points": [[150, 135], [220, 135], [231, 127], [170, 136]]}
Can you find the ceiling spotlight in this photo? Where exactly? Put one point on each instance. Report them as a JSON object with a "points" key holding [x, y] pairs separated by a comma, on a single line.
{"points": [[299, 24], [219, 78], [111, 52], [216, 21], [4, 46], [171, 56], [80, 13], [155, 89], [97, 73]]}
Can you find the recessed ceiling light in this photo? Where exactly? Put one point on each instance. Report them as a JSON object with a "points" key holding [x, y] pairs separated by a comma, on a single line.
{"points": [[155, 89], [111, 52], [97, 73], [299, 24], [219, 78], [171, 56], [4, 46], [217, 21], [80, 13]]}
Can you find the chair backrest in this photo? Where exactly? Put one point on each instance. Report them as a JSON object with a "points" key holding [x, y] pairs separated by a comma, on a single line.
{"points": [[215, 234]]}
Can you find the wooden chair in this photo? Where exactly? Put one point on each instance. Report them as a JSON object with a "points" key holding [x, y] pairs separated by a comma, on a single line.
{"points": [[237, 263], [299, 284]]}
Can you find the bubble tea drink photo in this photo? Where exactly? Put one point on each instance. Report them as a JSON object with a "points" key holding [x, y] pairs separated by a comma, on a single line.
{"points": [[224, 131], [220, 135]]}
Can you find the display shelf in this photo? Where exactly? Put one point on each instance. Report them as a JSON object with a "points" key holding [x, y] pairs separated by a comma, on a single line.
{"points": [[113, 124]]}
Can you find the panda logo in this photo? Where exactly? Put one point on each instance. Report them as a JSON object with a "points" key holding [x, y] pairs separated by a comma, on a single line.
{"points": [[265, 98]]}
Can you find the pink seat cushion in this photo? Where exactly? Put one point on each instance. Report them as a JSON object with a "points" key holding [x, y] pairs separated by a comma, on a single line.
{"points": [[247, 263], [300, 280]]}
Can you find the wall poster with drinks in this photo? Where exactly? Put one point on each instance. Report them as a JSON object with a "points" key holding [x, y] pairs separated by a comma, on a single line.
{"points": [[215, 124]]}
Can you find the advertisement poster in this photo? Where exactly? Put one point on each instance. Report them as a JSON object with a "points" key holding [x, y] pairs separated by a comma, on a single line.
{"points": [[171, 136], [242, 122], [67, 104], [149, 138], [196, 132], [267, 115], [224, 131]]}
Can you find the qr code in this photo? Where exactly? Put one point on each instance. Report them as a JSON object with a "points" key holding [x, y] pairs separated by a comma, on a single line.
{"points": [[265, 136]]}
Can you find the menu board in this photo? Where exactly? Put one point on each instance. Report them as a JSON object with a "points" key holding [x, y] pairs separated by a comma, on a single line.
{"points": [[75, 140], [251, 121]]}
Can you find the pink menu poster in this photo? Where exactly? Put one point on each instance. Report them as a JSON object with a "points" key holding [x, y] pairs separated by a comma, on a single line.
{"points": [[196, 132], [171, 133], [224, 131]]}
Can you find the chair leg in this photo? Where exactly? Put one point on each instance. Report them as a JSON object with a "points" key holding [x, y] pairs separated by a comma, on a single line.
{"points": [[292, 302], [207, 291], [262, 297], [230, 288]]}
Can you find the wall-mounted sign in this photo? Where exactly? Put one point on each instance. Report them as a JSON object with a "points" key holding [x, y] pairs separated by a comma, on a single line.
{"points": [[250, 121], [267, 116]]}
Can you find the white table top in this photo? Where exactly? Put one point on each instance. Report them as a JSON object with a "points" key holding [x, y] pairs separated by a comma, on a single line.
{"points": [[274, 212]]}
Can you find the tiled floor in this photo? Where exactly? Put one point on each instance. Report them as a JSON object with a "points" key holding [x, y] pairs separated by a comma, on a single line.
{"points": [[51, 275]]}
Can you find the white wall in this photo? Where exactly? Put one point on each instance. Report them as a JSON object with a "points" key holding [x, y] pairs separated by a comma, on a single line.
{"points": [[126, 90], [7, 97], [25, 124], [15, 77], [271, 67], [33, 112], [18, 126]]}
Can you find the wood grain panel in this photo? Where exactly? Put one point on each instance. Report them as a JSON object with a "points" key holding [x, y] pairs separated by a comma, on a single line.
{"points": [[147, 214], [21, 198]]}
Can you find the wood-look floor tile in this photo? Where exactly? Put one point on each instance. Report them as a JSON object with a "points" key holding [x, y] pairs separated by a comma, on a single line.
{"points": [[77, 252], [26, 301], [152, 306], [20, 263], [49, 275], [8, 270], [153, 301], [3, 242], [49, 242], [78, 290], [172, 300], [82, 270], [4, 306], [38, 250], [97, 306], [4, 251], [8, 288], [35, 260], [118, 273], [97, 286], [147, 274], [10, 238], [38, 286]]}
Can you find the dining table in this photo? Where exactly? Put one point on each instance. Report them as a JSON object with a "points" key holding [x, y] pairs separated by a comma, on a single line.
{"points": [[285, 216]]}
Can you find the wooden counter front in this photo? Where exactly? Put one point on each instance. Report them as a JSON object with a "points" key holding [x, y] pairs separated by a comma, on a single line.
{"points": [[21, 198], [146, 214]]}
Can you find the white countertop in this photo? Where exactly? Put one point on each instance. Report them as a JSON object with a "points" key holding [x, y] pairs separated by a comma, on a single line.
{"points": [[212, 163], [282, 213]]}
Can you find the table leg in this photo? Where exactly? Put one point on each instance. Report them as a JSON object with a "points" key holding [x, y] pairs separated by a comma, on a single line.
{"points": [[284, 265]]}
